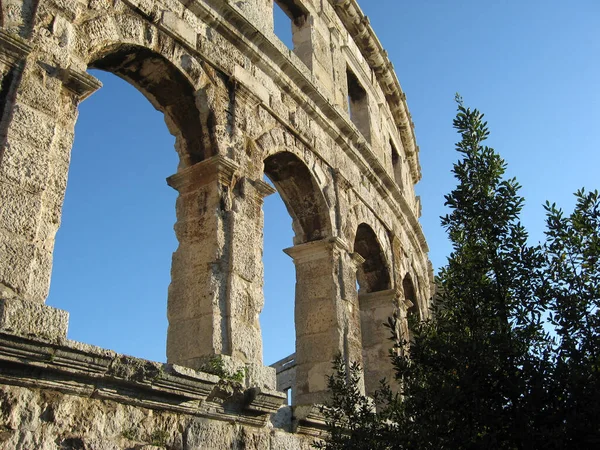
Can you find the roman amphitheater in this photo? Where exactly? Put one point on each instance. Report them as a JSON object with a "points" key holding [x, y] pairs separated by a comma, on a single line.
{"points": [[326, 122]]}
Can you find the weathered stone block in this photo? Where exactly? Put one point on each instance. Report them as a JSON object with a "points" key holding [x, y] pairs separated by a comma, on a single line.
{"points": [[179, 27], [20, 210], [261, 376], [17, 260], [25, 318]]}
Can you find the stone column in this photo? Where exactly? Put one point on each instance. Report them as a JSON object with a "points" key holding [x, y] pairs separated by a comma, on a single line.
{"points": [[326, 315], [375, 308], [246, 271], [39, 108], [216, 295]]}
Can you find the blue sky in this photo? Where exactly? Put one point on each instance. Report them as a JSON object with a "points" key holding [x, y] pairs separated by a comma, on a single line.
{"points": [[532, 67]]}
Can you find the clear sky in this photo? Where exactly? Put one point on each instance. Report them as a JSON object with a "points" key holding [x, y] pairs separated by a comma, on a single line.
{"points": [[533, 67]]}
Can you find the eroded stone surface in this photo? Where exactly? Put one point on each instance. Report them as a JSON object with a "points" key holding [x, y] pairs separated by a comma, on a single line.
{"points": [[25, 319], [50, 420], [241, 105]]}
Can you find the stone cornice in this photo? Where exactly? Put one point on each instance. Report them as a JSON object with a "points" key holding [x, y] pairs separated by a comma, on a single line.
{"points": [[309, 420], [12, 47], [357, 259], [263, 188], [82, 84], [217, 168], [85, 370], [315, 250]]}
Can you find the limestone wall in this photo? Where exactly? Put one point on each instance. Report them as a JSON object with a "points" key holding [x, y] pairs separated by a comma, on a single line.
{"points": [[326, 121], [71, 396]]}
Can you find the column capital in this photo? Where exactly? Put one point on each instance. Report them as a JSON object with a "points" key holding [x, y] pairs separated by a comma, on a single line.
{"points": [[316, 250], [261, 188], [357, 259], [379, 296], [82, 84], [79, 83], [215, 169], [407, 304], [12, 47]]}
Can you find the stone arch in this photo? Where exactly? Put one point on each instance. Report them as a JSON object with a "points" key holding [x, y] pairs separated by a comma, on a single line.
{"points": [[376, 302], [300, 189], [361, 214], [167, 89], [279, 139], [301, 194], [411, 297], [156, 69], [175, 81], [374, 274]]}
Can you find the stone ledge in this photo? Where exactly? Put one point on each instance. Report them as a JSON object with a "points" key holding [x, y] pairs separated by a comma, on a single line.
{"points": [[85, 370], [12, 47], [264, 401], [308, 419]]}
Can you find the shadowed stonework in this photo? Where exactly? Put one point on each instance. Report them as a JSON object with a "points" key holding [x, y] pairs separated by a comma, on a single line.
{"points": [[326, 122]]}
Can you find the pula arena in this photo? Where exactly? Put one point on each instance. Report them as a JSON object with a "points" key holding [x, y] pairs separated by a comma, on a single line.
{"points": [[326, 122]]}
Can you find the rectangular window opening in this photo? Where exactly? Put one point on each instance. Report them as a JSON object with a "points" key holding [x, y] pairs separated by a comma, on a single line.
{"points": [[396, 164], [358, 105], [289, 18]]}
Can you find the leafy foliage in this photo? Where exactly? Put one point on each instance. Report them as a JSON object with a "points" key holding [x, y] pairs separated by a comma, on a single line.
{"points": [[508, 358], [352, 418], [572, 290], [216, 366], [159, 438]]}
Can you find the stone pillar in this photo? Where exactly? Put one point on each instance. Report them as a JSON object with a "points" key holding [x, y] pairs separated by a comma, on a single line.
{"points": [[39, 108], [216, 295], [246, 271], [375, 308], [326, 315]]}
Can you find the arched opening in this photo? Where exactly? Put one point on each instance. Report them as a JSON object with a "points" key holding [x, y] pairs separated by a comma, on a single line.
{"points": [[167, 89], [306, 206], [410, 297], [113, 251], [376, 304], [373, 275], [277, 317], [301, 195]]}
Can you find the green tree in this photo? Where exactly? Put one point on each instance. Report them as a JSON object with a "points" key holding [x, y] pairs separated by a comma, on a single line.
{"points": [[355, 421], [483, 371], [572, 291], [470, 369]]}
